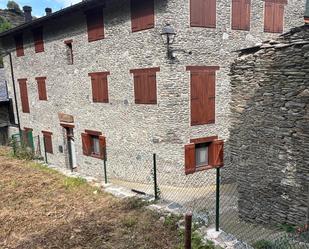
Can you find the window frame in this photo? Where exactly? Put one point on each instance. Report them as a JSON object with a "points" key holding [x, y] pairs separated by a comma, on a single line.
{"points": [[38, 39], [99, 82], [87, 141]]}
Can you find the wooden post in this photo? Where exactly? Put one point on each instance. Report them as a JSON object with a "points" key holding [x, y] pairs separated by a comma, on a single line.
{"points": [[188, 230]]}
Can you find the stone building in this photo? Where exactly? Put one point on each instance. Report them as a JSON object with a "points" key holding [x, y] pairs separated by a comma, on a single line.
{"points": [[269, 134], [96, 75]]}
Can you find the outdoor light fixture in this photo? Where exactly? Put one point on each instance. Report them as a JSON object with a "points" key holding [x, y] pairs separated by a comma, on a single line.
{"points": [[168, 35]]}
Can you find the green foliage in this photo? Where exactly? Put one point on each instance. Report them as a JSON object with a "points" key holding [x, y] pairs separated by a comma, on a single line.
{"points": [[12, 5], [134, 203], [287, 228], [44, 168], [21, 151], [129, 222], [171, 221], [74, 182], [281, 243], [262, 244]]}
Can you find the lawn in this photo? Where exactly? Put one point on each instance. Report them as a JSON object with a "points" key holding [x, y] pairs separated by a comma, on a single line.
{"points": [[41, 208]]}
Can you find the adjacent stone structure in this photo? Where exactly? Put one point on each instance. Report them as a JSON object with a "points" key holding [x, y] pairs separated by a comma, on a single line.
{"points": [[269, 134]]}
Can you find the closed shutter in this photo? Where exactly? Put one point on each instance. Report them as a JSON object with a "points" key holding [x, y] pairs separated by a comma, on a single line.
{"points": [[142, 15], [246, 14], [99, 86], [95, 24], [38, 40], [95, 88], [42, 88], [102, 142], [190, 159], [138, 88], [236, 14], [268, 17], [196, 99], [24, 95], [210, 14], [47, 136], [216, 153], [86, 143], [151, 88], [210, 101], [196, 13], [19, 43], [241, 14], [278, 18]]}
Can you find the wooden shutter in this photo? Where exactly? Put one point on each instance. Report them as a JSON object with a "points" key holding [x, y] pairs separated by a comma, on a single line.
{"points": [[241, 14], [210, 14], [203, 13], [142, 15], [151, 88], [99, 87], [278, 18], [95, 24], [236, 14], [216, 153], [95, 88], [246, 14], [210, 98], [47, 136], [38, 40], [102, 142], [24, 95], [86, 141], [41, 88], [268, 17], [19, 43], [196, 99], [196, 10], [190, 159], [138, 88]]}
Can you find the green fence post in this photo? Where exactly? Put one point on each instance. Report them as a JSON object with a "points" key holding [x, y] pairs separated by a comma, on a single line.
{"points": [[218, 200], [155, 176], [44, 143]]}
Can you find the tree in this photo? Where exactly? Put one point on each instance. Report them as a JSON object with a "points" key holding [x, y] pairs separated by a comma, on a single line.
{"points": [[4, 24], [11, 5]]}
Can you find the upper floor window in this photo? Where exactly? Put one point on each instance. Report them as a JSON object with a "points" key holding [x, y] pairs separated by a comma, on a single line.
{"points": [[203, 13], [95, 24], [99, 86], [24, 95], [69, 51], [274, 15], [41, 88], [19, 43], [203, 94], [142, 14], [94, 144], [38, 40], [145, 85], [241, 14]]}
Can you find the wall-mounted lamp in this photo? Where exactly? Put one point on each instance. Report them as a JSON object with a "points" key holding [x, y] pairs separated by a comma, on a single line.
{"points": [[168, 35]]}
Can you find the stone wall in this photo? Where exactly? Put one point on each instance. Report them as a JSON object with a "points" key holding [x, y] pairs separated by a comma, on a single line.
{"points": [[269, 134], [133, 131]]}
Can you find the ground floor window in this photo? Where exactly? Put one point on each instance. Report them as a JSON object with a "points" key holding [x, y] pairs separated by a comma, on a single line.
{"points": [[94, 144], [48, 144]]}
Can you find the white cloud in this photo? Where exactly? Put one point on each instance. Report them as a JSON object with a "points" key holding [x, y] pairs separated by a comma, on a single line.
{"points": [[68, 2]]}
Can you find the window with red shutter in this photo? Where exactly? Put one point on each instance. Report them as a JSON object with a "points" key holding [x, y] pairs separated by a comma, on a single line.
{"points": [[38, 40], [41, 88], [69, 51], [47, 136], [142, 15], [95, 24], [203, 93], [241, 14], [274, 15], [94, 144], [99, 86], [24, 95], [203, 154], [203, 13], [19, 43], [145, 85]]}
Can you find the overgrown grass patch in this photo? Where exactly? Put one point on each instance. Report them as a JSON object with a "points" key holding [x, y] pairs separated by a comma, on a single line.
{"points": [[74, 182]]}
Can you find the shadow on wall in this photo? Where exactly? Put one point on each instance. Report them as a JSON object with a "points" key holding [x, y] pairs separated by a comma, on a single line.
{"points": [[269, 138]]}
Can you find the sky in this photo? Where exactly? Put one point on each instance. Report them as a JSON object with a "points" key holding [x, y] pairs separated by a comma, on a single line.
{"points": [[38, 6]]}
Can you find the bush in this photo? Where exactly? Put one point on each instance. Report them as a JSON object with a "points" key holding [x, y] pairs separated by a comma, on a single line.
{"points": [[21, 151]]}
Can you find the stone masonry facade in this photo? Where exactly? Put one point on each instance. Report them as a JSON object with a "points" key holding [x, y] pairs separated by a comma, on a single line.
{"points": [[269, 136], [133, 132]]}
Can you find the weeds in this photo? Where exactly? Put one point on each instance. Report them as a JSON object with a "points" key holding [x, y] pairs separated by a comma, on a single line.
{"points": [[197, 241], [129, 222], [134, 203], [74, 182]]}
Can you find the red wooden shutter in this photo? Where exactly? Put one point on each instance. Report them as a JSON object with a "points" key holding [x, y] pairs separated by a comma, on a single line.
{"points": [[102, 142], [95, 24], [203, 13], [47, 136], [216, 153], [41, 88], [95, 88], [19, 43], [151, 88], [99, 87], [268, 17], [142, 15], [210, 14], [38, 40], [86, 144], [190, 159], [196, 99], [236, 14], [24, 95], [210, 101], [278, 18], [196, 10], [138, 88], [245, 13]]}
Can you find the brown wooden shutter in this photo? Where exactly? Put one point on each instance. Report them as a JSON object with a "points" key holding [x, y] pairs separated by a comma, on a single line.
{"points": [[142, 15], [268, 17], [278, 18], [138, 88], [95, 24], [236, 14], [196, 8], [19, 43], [203, 13], [38, 40], [246, 14], [190, 159], [99, 86], [24, 95], [151, 88], [42, 88], [241, 14], [95, 88], [102, 142], [216, 153], [211, 12], [196, 101], [210, 101], [86, 141], [47, 136]]}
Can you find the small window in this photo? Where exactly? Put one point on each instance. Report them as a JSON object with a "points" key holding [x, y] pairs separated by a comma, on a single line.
{"points": [[94, 144], [47, 140], [142, 15], [145, 85], [95, 24], [99, 87], [203, 13], [69, 51], [41, 88], [274, 15], [19, 43], [24, 95], [38, 40], [203, 154], [241, 14]]}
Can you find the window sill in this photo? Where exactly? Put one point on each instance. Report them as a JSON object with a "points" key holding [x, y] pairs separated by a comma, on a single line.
{"points": [[203, 167], [96, 156]]}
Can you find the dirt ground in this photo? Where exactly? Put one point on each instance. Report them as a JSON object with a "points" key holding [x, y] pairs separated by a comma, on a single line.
{"points": [[40, 208]]}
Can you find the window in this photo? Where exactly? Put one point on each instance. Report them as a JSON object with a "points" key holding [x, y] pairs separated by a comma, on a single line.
{"points": [[38, 40], [203, 93], [47, 139], [203, 13], [203, 154], [142, 15], [69, 51], [95, 24], [19, 43], [99, 87], [24, 95], [41, 88], [241, 14], [274, 15], [145, 85], [94, 144]]}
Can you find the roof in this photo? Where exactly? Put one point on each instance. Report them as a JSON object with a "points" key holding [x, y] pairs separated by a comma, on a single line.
{"points": [[84, 5]]}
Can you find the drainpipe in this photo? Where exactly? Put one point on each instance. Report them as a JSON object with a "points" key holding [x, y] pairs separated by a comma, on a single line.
{"points": [[14, 89]]}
